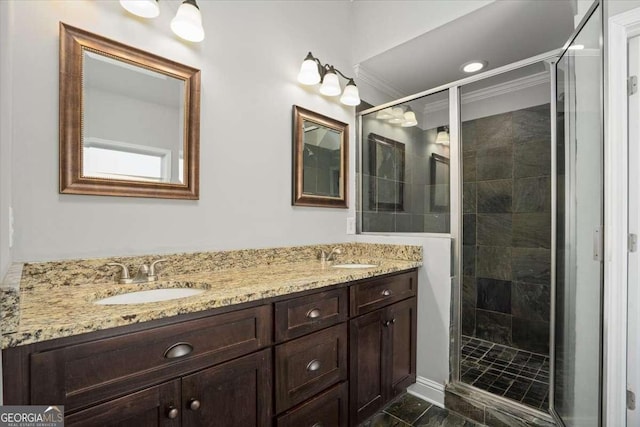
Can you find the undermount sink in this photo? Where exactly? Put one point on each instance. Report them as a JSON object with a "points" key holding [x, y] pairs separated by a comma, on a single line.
{"points": [[354, 265], [154, 295]]}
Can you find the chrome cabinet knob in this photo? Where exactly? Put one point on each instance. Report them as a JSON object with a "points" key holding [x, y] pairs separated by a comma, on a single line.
{"points": [[172, 413], [386, 292], [313, 313], [194, 404], [314, 365]]}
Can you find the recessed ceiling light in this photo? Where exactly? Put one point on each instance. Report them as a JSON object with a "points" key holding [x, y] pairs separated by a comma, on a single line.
{"points": [[576, 47], [473, 66]]}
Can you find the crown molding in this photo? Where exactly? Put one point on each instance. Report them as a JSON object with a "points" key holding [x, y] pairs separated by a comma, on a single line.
{"points": [[492, 91], [380, 84]]}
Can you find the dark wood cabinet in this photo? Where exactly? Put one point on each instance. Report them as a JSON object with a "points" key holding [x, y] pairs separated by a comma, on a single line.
{"points": [[329, 409], [310, 364], [327, 358], [382, 357], [233, 394], [157, 406]]}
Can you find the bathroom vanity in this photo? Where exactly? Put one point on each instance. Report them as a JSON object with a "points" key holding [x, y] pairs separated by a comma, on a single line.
{"points": [[328, 355]]}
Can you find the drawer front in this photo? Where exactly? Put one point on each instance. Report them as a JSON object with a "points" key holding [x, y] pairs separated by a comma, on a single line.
{"points": [[310, 313], [82, 374], [327, 410], [373, 294], [308, 365]]}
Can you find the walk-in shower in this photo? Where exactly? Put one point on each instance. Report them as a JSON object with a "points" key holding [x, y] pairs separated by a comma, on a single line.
{"points": [[509, 163]]}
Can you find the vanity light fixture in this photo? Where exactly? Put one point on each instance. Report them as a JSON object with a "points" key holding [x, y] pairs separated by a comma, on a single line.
{"points": [[473, 66], [187, 23], [384, 114], [142, 8], [409, 118], [443, 135], [312, 72]]}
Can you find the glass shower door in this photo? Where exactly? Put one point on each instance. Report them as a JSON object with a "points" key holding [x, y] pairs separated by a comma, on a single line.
{"points": [[577, 355]]}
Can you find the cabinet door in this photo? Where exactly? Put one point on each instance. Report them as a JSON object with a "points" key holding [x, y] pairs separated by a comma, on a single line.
{"points": [[367, 359], [403, 346], [233, 394], [153, 407]]}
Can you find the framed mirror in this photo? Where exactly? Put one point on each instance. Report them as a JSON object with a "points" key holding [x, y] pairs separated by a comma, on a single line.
{"points": [[320, 160], [129, 120], [439, 183]]}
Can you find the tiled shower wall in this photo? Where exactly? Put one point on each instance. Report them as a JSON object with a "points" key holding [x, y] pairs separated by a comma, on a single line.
{"points": [[507, 228]]}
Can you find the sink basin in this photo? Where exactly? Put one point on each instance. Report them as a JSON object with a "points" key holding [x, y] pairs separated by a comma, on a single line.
{"points": [[354, 265], [154, 295]]}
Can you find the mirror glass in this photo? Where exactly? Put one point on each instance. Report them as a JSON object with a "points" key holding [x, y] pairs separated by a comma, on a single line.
{"points": [[129, 120], [133, 121], [320, 152], [321, 160]]}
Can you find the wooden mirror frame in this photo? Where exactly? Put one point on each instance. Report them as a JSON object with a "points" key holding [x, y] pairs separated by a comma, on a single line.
{"points": [[299, 197], [73, 43]]}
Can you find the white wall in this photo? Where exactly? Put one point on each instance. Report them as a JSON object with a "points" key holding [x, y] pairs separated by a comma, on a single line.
{"points": [[380, 25], [6, 89], [249, 62]]}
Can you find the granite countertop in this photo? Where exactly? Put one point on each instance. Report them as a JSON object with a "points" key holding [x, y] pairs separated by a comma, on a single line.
{"points": [[37, 312]]}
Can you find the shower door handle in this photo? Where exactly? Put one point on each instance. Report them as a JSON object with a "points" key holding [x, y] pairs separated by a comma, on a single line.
{"points": [[597, 244]]}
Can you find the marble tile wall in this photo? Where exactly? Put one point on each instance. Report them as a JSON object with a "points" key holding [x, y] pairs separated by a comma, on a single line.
{"points": [[507, 228]]}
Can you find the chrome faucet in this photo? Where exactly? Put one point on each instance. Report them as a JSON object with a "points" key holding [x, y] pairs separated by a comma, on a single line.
{"points": [[331, 257], [146, 273]]}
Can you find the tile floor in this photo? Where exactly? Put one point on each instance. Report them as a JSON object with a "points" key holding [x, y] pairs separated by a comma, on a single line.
{"points": [[408, 410], [506, 371]]}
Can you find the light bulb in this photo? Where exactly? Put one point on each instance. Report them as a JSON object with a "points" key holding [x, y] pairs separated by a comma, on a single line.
{"points": [[409, 119], [351, 95], [384, 114], [309, 74], [442, 138], [330, 84], [398, 115], [142, 8], [187, 23]]}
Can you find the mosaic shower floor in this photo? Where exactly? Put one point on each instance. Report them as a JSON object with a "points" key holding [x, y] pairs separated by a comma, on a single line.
{"points": [[505, 371]]}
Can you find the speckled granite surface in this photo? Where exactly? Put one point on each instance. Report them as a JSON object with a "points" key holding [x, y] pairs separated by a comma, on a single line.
{"points": [[55, 299]]}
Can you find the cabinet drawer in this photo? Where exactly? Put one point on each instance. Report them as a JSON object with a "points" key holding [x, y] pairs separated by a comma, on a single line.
{"points": [[376, 293], [303, 315], [328, 410], [308, 365], [82, 374]]}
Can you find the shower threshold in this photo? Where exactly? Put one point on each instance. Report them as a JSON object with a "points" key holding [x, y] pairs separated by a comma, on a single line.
{"points": [[506, 371]]}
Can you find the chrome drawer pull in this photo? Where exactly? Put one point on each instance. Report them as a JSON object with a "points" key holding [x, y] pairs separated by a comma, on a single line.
{"points": [[317, 425], [313, 313], [386, 293], [314, 365], [178, 350]]}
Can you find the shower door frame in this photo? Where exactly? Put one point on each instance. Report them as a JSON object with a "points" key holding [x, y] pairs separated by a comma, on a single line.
{"points": [[569, 194], [456, 207]]}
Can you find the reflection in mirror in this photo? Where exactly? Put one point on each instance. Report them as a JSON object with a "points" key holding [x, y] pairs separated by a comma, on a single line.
{"points": [[320, 150], [404, 183], [321, 160], [129, 120], [147, 107]]}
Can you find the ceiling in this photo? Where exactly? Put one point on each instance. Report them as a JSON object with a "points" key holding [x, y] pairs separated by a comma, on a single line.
{"points": [[501, 33]]}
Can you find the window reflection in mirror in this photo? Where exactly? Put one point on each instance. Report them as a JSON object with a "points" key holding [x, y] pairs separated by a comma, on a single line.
{"points": [[133, 121]]}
